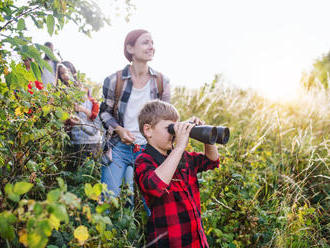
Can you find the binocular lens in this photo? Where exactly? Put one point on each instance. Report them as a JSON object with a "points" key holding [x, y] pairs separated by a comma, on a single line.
{"points": [[207, 134], [223, 135]]}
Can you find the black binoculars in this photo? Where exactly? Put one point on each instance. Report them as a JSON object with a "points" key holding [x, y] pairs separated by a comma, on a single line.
{"points": [[207, 134]]}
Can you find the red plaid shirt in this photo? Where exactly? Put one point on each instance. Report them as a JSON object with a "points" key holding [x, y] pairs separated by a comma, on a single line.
{"points": [[175, 219]]}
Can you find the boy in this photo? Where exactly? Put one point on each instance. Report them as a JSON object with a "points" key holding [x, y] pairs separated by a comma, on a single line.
{"points": [[167, 178]]}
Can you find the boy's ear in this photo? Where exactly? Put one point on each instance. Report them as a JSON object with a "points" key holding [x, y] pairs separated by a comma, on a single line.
{"points": [[147, 130]]}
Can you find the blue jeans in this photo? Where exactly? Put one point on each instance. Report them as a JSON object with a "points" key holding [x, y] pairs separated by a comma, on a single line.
{"points": [[121, 167]]}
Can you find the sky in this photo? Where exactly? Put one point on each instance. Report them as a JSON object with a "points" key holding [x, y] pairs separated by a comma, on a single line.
{"points": [[259, 44]]}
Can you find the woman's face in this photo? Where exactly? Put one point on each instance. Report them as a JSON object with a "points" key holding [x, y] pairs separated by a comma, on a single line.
{"points": [[143, 50], [64, 74]]}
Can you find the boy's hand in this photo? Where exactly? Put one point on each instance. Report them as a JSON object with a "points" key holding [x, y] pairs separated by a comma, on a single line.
{"points": [[126, 136], [195, 120], [182, 131]]}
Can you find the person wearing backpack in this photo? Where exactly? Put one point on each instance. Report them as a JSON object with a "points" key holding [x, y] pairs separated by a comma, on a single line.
{"points": [[125, 93]]}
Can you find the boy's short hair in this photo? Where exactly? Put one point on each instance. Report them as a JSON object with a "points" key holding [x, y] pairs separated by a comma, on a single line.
{"points": [[156, 110]]}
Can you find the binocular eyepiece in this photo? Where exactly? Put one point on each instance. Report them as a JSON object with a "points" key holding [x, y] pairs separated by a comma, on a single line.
{"points": [[207, 134]]}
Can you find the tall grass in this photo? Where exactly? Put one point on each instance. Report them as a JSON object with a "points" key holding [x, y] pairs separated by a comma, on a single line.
{"points": [[272, 189]]}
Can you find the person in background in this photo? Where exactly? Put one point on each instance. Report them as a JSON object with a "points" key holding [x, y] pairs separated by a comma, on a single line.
{"points": [[46, 75], [64, 74], [85, 132], [72, 69], [119, 116], [84, 126]]}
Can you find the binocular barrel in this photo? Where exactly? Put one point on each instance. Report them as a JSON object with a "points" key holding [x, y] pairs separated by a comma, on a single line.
{"points": [[207, 134]]}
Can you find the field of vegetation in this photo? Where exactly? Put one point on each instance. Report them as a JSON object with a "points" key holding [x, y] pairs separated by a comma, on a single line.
{"points": [[272, 189]]}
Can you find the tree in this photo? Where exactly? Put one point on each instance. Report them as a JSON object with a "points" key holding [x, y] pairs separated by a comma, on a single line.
{"points": [[54, 14], [33, 210]]}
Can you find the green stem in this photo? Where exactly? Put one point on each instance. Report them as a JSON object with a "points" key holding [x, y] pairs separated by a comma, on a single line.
{"points": [[8, 245]]}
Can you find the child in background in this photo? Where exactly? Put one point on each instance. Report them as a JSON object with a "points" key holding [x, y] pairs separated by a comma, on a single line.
{"points": [[84, 127], [85, 132], [167, 178]]}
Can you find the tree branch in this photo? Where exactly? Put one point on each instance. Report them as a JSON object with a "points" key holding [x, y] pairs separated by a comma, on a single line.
{"points": [[16, 18]]}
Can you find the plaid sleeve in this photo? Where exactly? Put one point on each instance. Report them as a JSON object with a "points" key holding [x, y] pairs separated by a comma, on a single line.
{"points": [[146, 178], [106, 109], [202, 163]]}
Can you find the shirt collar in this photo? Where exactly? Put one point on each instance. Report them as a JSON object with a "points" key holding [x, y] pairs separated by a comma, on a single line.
{"points": [[159, 158], [156, 155], [126, 74]]}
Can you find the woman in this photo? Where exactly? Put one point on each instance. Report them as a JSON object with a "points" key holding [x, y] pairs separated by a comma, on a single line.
{"points": [[119, 116], [84, 126], [64, 74]]}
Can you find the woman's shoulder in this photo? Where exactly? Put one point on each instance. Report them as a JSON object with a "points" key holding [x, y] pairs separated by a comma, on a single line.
{"points": [[112, 78], [156, 73]]}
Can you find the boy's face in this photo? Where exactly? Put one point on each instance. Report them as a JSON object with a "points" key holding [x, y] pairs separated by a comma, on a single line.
{"points": [[159, 137]]}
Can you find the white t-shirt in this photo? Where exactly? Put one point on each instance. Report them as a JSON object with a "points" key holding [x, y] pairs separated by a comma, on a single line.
{"points": [[135, 103]]}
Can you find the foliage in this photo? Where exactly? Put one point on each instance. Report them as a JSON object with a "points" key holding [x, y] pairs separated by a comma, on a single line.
{"points": [[40, 202], [272, 189], [319, 76], [16, 16]]}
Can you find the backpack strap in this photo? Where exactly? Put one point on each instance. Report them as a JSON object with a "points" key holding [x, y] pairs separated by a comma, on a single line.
{"points": [[118, 90], [160, 85]]}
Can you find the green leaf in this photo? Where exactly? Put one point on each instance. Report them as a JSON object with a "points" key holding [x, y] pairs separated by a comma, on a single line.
{"points": [[97, 189], [81, 233], [21, 24], [46, 109], [72, 200], [36, 71], [101, 208], [59, 211], [33, 52], [7, 231], [62, 184], [88, 189], [46, 50], [37, 209], [37, 240], [8, 216], [36, 22], [62, 115], [9, 189], [53, 195], [21, 188], [93, 192], [50, 24], [45, 227], [43, 64]]}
